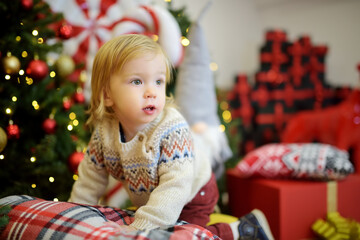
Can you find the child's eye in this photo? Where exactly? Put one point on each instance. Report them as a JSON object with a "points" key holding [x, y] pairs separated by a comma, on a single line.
{"points": [[159, 82], [136, 82]]}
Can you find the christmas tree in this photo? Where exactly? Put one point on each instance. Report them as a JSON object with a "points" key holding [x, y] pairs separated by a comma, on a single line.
{"points": [[42, 112]]}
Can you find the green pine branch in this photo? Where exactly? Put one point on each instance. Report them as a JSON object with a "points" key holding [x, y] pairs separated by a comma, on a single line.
{"points": [[4, 218], [36, 163]]}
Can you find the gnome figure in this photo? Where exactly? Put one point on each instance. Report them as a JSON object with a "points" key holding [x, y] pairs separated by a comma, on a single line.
{"points": [[196, 98]]}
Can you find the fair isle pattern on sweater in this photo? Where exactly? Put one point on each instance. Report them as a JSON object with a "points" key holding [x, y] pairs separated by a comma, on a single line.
{"points": [[175, 148], [172, 145], [176, 144], [93, 152], [160, 168]]}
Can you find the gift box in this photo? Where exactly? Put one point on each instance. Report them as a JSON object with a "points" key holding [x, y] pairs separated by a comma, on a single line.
{"points": [[292, 206], [273, 53], [291, 78]]}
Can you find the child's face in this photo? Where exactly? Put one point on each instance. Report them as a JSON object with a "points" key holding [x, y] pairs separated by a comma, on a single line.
{"points": [[137, 92]]}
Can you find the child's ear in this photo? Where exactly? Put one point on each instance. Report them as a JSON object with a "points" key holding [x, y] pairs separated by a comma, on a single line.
{"points": [[107, 99]]}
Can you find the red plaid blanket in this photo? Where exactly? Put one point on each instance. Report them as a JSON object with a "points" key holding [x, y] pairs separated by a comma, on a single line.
{"points": [[34, 218]]}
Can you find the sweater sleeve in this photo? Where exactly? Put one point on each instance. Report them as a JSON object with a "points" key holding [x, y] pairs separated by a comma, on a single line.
{"points": [[93, 177], [175, 182]]}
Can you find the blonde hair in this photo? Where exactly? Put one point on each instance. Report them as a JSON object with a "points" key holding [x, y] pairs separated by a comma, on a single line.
{"points": [[111, 58]]}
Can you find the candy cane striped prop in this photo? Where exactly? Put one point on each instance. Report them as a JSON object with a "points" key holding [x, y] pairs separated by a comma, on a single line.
{"points": [[154, 20], [97, 21]]}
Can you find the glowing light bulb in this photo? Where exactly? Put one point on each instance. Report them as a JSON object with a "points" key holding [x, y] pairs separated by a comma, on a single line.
{"points": [[29, 80], [184, 41], [213, 66], [224, 105], [35, 105], [222, 128], [155, 37], [72, 116], [226, 116], [24, 54]]}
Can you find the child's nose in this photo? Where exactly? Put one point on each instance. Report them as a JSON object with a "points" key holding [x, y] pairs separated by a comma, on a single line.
{"points": [[150, 93]]}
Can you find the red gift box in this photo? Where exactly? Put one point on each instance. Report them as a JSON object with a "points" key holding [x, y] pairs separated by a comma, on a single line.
{"points": [[292, 206]]}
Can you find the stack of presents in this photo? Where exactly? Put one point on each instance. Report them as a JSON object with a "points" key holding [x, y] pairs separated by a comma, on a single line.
{"points": [[301, 143]]}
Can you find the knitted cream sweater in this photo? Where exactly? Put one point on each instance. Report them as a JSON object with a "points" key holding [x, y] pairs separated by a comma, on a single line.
{"points": [[158, 167]]}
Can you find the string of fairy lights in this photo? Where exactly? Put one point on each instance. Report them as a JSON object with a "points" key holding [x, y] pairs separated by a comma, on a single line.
{"points": [[15, 72]]}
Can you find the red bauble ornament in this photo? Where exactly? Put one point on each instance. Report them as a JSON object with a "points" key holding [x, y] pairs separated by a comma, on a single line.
{"points": [[74, 161], [13, 131], [79, 97], [49, 126], [74, 138], [37, 69], [65, 31], [67, 103], [40, 16], [27, 4]]}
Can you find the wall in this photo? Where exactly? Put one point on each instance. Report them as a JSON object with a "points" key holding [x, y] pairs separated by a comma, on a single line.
{"points": [[235, 31]]}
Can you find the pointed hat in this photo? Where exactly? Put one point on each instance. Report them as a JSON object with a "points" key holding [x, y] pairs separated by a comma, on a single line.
{"points": [[195, 87], [196, 96]]}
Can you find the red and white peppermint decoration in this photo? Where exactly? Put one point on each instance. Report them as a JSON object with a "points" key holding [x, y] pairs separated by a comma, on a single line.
{"points": [[93, 22], [154, 20]]}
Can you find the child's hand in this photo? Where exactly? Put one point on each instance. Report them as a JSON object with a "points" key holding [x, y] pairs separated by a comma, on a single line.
{"points": [[122, 228], [127, 228]]}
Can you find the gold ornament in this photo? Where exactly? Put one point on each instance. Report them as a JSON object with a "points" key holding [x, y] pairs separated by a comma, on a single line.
{"points": [[11, 64], [82, 77], [64, 65], [3, 139]]}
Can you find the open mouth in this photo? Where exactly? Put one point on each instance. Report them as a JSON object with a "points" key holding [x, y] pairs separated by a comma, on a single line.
{"points": [[149, 108]]}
